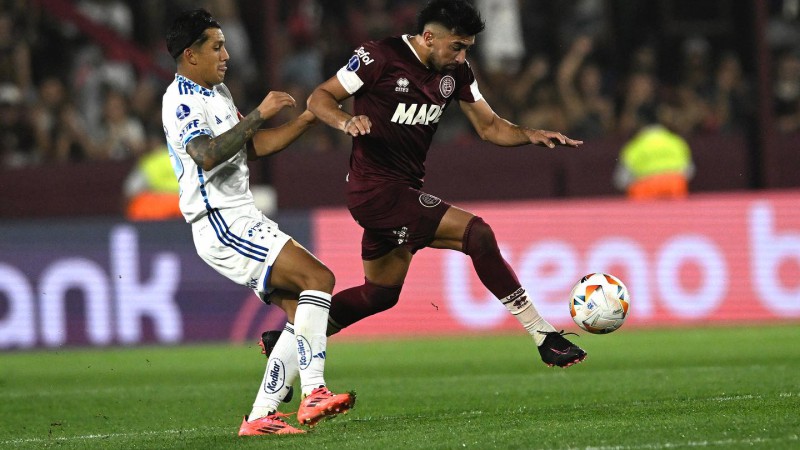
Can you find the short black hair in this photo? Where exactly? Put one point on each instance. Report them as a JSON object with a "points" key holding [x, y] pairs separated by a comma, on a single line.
{"points": [[187, 29], [458, 16]]}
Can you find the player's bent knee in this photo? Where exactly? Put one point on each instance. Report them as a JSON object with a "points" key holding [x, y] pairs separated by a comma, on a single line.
{"points": [[319, 278], [479, 238], [381, 298]]}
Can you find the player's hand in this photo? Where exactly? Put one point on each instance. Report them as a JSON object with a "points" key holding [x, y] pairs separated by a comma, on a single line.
{"points": [[544, 138], [274, 102], [357, 126]]}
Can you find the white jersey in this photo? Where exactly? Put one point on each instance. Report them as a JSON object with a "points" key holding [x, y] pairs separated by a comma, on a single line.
{"points": [[190, 110]]}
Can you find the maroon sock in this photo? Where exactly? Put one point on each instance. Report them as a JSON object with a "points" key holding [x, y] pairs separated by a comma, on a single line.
{"points": [[353, 304], [494, 272]]}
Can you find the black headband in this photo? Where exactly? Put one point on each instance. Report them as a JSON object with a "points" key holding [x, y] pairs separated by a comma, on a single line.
{"points": [[193, 37], [191, 24]]}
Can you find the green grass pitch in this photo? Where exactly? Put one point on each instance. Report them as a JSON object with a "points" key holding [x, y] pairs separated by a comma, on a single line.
{"points": [[722, 388]]}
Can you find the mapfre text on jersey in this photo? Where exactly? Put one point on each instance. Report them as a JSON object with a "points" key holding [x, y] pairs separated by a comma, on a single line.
{"points": [[415, 114]]}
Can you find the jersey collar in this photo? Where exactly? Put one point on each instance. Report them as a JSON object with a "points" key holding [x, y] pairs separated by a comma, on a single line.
{"points": [[408, 43], [192, 86]]}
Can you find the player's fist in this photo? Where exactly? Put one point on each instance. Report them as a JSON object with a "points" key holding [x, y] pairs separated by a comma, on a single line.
{"points": [[274, 102], [357, 126]]}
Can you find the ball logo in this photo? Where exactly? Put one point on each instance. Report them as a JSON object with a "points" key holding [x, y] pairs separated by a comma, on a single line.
{"points": [[353, 64], [429, 201], [182, 112], [276, 376], [447, 85]]}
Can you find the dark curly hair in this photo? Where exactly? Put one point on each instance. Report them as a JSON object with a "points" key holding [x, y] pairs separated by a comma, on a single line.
{"points": [[458, 16], [187, 29]]}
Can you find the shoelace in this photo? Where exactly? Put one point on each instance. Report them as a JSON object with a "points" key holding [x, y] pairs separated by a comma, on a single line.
{"points": [[279, 416], [320, 393]]}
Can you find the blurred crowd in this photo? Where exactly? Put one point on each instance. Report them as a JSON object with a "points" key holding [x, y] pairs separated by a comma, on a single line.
{"points": [[82, 80]]}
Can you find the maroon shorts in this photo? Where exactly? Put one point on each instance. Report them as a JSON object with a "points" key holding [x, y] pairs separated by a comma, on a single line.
{"points": [[395, 215]]}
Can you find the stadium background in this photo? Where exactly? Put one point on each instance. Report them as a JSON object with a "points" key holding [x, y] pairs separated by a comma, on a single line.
{"points": [[74, 271]]}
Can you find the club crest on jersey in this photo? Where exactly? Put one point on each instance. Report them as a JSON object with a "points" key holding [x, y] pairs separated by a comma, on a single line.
{"points": [[447, 85], [402, 85], [429, 201], [182, 112]]}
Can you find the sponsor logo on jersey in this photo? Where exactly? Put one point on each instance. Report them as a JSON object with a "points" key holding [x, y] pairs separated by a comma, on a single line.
{"points": [[182, 112], [415, 113], [402, 85], [189, 127], [364, 56], [447, 85], [429, 201]]}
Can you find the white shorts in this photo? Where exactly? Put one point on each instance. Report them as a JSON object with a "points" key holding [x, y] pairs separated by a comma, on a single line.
{"points": [[241, 244]]}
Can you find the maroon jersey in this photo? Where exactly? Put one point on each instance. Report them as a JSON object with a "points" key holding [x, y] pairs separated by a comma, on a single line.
{"points": [[404, 101]]}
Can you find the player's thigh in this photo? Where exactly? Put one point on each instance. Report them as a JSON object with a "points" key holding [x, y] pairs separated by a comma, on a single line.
{"points": [[450, 233], [390, 269], [296, 270]]}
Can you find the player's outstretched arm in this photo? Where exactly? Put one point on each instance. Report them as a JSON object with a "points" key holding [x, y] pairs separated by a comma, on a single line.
{"points": [[210, 152], [272, 140], [324, 103], [499, 131]]}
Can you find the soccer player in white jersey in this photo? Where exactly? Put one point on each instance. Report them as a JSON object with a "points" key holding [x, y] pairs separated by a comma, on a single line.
{"points": [[209, 143]]}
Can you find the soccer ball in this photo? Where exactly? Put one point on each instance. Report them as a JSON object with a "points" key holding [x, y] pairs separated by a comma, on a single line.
{"points": [[599, 303]]}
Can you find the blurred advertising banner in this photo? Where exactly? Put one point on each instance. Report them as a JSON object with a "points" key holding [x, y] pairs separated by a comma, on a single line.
{"points": [[708, 259], [104, 282]]}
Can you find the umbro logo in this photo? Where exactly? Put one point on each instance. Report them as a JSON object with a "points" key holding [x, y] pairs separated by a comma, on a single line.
{"points": [[402, 85]]}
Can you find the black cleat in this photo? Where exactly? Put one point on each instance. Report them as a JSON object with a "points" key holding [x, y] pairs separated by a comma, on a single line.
{"points": [[556, 350], [267, 343]]}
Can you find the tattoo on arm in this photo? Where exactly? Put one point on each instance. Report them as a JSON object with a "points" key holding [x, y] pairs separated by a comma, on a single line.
{"points": [[208, 153]]}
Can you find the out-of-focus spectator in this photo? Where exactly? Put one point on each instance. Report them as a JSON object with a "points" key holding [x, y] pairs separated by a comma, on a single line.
{"points": [[120, 135], [115, 14], [17, 136], [61, 133], [731, 97], [501, 45], [696, 65], [229, 16], [787, 91], [147, 98], [15, 56], [589, 111], [369, 20], [639, 101], [655, 164], [95, 68]]}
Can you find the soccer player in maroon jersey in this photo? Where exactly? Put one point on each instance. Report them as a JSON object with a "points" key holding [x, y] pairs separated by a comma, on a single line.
{"points": [[401, 85]]}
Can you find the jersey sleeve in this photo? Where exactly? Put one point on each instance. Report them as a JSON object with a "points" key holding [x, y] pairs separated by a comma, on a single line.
{"points": [[190, 119], [363, 68], [468, 91]]}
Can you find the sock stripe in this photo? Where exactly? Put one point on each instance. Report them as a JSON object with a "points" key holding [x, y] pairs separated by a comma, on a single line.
{"points": [[309, 299], [319, 303]]}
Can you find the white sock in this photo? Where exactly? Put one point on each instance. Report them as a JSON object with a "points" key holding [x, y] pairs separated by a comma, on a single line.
{"points": [[522, 308], [310, 323], [278, 377]]}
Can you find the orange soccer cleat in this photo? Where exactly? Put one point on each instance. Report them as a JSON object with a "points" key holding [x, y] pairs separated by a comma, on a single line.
{"points": [[322, 403], [271, 424]]}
